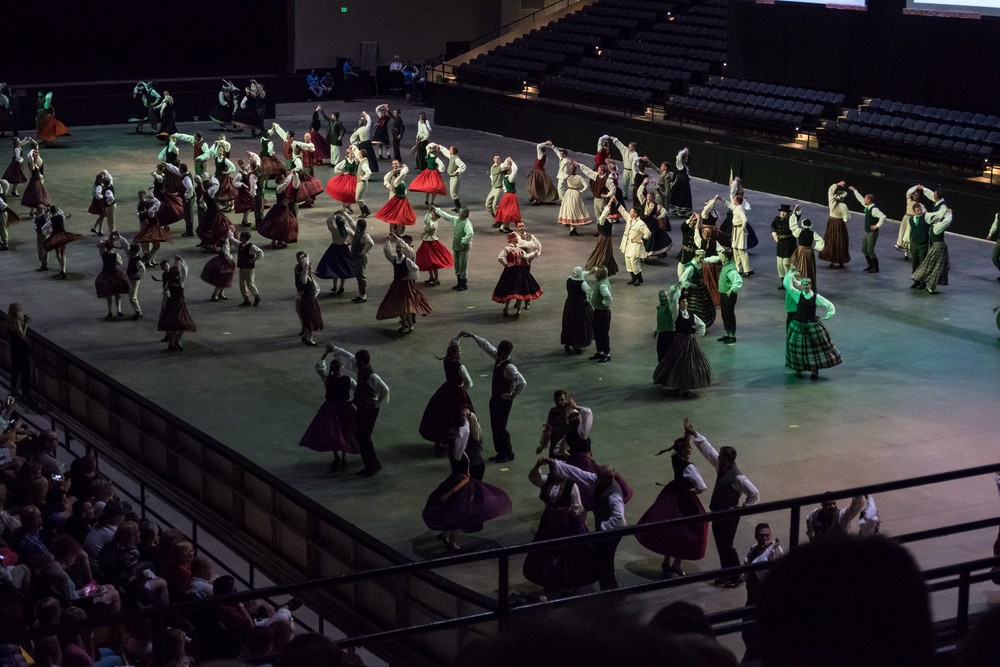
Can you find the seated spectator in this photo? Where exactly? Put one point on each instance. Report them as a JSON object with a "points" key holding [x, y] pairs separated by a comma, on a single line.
{"points": [[79, 588], [396, 65], [78, 649], [82, 473], [103, 492], [81, 520], [202, 575], [46, 650], [8, 522], [175, 649], [32, 484], [104, 529], [27, 542], [122, 566], [312, 83], [149, 538], [177, 569], [57, 511], [326, 84], [45, 454], [850, 601]]}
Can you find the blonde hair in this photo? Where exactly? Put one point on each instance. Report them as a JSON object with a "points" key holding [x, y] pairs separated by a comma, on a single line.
{"points": [[16, 321]]}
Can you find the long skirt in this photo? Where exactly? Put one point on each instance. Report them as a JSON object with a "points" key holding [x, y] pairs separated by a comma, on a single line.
{"points": [[214, 229], [51, 128], [603, 254], [321, 147], [659, 241], [59, 239], [221, 114], [35, 194], [684, 366], [572, 211], [310, 187], [333, 429], [836, 240], [434, 255], [429, 181], [174, 316], [509, 211], [577, 324], [700, 303], [271, 168], [244, 201], [680, 196], [397, 211], [808, 347], [403, 297], [903, 235], [565, 567], [111, 282], [463, 502], [279, 224], [153, 233], [218, 271], [174, 184], [585, 461], [310, 315], [14, 174], [804, 259], [248, 118], [541, 188], [710, 276], [227, 190], [685, 542], [336, 263], [934, 269], [97, 207], [342, 188], [516, 282], [171, 209], [443, 412]]}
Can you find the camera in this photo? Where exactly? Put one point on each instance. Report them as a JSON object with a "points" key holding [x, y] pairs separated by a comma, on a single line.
{"points": [[57, 478]]}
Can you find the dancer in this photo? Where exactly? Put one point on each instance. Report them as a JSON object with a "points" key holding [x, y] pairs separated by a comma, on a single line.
{"points": [[837, 249], [461, 245], [994, 235], [429, 180], [496, 188], [933, 271], [307, 306], [444, 409], [655, 217], [321, 147], [281, 224], [370, 395], [680, 188], [363, 176], [168, 117], [913, 197], [224, 170], [396, 130], [507, 384], [103, 203], [684, 366], [215, 225], [334, 134], [874, 219], [540, 187], [246, 183], [516, 282], [456, 167], [508, 211], [41, 219], [602, 187], [380, 131], [402, 299], [145, 100], [35, 196], [562, 173], [175, 320], [692, 279], [48, 128], [729, 284], [678, 499], [806, 242], [135, 271], [603, 254], [462, 501], [432, 255], [247, 256], [218, 271], [632, 245], [153, 226], [336, 263], [807, 342], [343, 186], [222, 112], [57, 238], [199, 148], [361, 245], [7, 216], [710, 271], [361, 138], [422, 139], [14, 174], [270, 167], [309, 186], [334, 428], [781, 232], [600, 302], [397, 210], [248, 113], [111, 283], [603, 151], [572, 212], [577, 317], [666, 319]]}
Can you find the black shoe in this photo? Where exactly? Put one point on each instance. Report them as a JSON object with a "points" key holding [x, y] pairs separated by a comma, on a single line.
{"points": [[527, 305], [137, 316], [256, 300], [568, 348], [187, 235], [368, 472], [724, 339], [749, 273], [244, 304], [732, 339], [42, 268], [501, 458], [916, 284], [732, 583], [463, 287], [604, 358], [596, 356], [109, 318], [359, 299]]}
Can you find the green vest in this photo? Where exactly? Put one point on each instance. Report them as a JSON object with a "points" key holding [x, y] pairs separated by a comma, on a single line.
{"points": [[352, 168], [508, 185], [919, 230], [596, 298], [399, 190], [870, 220], [725, 282]]}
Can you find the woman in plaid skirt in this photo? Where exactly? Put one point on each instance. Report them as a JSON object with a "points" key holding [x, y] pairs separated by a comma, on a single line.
{"points": [[807, 342]]}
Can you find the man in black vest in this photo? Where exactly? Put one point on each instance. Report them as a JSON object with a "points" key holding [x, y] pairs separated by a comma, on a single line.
{"points": [[874, 219], [730, 485], [507, 384], [781, 232], [247, 256], [919, 240], [369, 396]]}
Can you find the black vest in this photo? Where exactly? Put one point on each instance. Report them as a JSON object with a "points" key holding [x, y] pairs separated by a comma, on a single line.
{"points": [[684, 325], [501, 385], [364, 397], [602, 504], [919, 230], [806, 238], [245, 257], [132, 271], [357, 243], [724, 496], [806, 309], [451, 372], [577, 444], [338, 388]]}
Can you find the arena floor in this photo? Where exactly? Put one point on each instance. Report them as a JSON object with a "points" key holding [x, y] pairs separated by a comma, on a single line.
{"points": [[916, 393]]}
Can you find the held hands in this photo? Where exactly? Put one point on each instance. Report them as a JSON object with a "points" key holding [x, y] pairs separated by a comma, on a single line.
{"points": [[689, 428]]}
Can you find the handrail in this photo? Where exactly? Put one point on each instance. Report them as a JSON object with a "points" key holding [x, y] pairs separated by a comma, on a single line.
{"points": [[494, 34]]}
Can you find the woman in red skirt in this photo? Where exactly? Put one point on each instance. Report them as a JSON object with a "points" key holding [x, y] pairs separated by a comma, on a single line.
{"points": [[309, 186], [218, 271], [344, 184], [14, 174], [175, 319], [508, 212], [215, 225], [516, 282], [397, 211], [281, 224], [111, 283], [35, 196], [48, 127], [246, 191], [403, 299], [152, 232], [432, 254], [58, 238], [334, 428], [429, 181]]}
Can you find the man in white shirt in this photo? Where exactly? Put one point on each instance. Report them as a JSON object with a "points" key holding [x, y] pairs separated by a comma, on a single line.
{"points": [[827, 521], [369, 396], [508, 383], [874, 218]]}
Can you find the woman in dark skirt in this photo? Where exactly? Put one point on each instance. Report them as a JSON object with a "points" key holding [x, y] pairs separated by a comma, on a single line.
{"points": [[710, 271], [603, 253], [334, 428], [684, 366], [655, 217], [247, 115], [579, 422], [933, 271], [226, 193], [168, 117], [175, 319], [835, 240], [462, 501], [577, 318], [14, 174], [222, 112], [804, 257], [281, 223], [271, 167], [48, 128], [566, 568], [516, 282], [35, 196], [380, 131], [111, 283], [403, 299], [307, 305], [320, 143], [153, 229], [57, 237], [309, 186], [807, 342], [697, 293], [215, 226], [337, 262], [540, 187], [246, 183], [444, 409], [218, 271], [678, 499], [680, 190]]}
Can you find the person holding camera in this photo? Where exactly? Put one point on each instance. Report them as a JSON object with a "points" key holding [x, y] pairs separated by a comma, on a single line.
{"points": [[20, 351]]}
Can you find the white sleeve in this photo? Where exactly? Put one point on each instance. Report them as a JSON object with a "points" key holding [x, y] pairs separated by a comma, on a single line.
{"points": [[692, 475]]}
